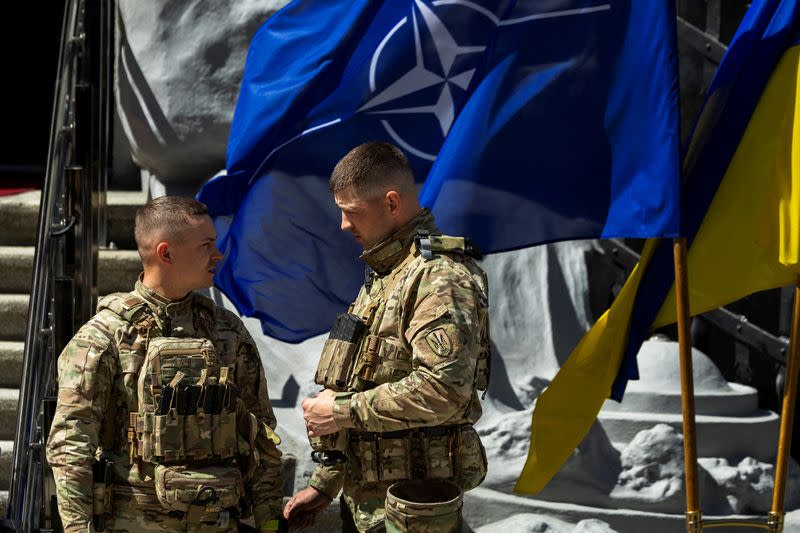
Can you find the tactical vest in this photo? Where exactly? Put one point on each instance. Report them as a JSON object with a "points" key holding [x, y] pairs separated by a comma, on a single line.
{"points": [[184, 411], [357, 357]]}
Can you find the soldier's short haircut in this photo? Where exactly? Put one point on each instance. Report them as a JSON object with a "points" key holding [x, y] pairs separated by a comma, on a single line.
{"points": [[371, 169], [165, 218]]}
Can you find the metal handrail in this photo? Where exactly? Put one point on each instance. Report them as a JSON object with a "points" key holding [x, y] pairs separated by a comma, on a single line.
{"points": [[71, 225]]}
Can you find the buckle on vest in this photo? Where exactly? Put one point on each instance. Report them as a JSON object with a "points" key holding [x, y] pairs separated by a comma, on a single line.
{"points": [[422, 240]]}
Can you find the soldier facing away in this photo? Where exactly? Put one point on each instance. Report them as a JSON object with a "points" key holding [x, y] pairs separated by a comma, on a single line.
{"points": [[402, 368], [163, 394]]}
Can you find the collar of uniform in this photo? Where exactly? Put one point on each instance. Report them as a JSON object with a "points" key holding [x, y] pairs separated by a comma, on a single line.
{"points": [[161, 304], [392, 250]]}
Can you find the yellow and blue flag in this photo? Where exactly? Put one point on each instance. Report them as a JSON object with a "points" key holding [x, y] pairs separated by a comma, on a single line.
{"points": [[528, 122], [741, 218]]}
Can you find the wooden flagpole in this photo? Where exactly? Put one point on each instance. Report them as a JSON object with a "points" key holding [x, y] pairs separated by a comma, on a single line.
{"points": [[694, 520], [775, 520]]}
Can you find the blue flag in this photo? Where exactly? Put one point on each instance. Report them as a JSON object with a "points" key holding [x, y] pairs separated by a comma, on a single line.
{"points": [[527, 121]]}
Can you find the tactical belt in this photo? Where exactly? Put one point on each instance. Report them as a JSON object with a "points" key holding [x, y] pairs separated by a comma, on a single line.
{"points": [[429, 453], [135, 497], [431, 432], [145, 499]]}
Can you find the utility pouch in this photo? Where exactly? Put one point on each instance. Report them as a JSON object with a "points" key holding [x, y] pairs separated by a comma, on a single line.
{"points": [[187, 399], [340, 350], [393, 459], [198, 443], [438, 455], [223, 425], [382, 458], [212, 403], [206, 489], [470, 458], [168, 427]]}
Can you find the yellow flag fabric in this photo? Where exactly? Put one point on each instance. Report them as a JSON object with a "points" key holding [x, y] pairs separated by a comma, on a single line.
{"points": [[749, 241], [562, 417]]}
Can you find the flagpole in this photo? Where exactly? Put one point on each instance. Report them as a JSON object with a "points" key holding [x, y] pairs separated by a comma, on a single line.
{"points": [[693, 514], [775, 521]]}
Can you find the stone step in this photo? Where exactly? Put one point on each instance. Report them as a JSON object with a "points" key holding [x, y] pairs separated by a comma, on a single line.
{"points": [[11, 353], [117, 269], [8, 416], [13, 316], [19, 215], [717, 436], [6, 456]]}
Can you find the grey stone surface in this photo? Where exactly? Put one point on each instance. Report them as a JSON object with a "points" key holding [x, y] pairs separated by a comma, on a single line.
{"points": [[8, 413], [116, 269], [19, 217], [6, 453], [178, 73], [592, 525], [11, 363], [13, 316]]}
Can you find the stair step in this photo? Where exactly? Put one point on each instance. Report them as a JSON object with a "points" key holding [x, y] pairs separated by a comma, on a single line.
{"points": [[11, 353], [117, 269], [6, 456], [13, 316], [19, 216], [8, 414]]}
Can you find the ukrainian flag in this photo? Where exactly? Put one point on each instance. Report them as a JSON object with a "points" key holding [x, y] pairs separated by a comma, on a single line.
{"points": [[741, 218]]}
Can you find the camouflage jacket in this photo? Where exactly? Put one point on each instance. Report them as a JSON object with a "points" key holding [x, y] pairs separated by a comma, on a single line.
{"points": [[92, 383], [435, 325]]}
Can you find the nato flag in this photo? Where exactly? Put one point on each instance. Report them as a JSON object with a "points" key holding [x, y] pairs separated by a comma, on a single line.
{"points": [[526, 121]]}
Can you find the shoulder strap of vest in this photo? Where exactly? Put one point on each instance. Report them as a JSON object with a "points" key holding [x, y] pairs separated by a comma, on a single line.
{"points": [[128, 305], [429, 245]]}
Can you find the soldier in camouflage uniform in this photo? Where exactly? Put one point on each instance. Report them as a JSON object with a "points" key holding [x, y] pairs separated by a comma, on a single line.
{"points": [[101, 384], [411, 397]]}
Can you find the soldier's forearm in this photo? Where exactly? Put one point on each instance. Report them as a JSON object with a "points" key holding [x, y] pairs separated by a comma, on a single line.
{"points": [[328, 480], [74, 495], [419, 399]]}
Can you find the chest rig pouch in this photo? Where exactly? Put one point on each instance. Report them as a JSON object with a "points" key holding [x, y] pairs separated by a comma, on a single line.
{"points": [[183, 419]]}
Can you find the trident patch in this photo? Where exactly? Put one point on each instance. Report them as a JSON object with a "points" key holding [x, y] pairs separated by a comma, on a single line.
{"points": [[439, 342]]}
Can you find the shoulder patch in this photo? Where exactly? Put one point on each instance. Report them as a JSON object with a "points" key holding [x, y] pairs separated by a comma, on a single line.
{"points": [[439, 342]]}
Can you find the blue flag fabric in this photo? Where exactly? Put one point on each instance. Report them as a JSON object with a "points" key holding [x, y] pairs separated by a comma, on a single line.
{"points": [[529, 122], [767, 31]]}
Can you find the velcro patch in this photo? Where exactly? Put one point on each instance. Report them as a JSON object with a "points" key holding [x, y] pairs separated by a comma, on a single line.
{"points": [[439, 342]]}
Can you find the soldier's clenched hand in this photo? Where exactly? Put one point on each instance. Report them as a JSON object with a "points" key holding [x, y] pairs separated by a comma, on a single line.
{"points": [[318, 414]]}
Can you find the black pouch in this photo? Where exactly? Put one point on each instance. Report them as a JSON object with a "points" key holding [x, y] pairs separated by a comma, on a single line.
{"points": [[165, 402], [187, 399], [340, 351]]}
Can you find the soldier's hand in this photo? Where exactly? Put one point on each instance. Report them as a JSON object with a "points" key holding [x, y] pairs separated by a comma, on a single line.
{"points": [[301, 511], [318, 414]]}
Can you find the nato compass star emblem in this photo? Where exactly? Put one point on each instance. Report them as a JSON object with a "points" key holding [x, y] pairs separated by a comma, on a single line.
{"points": [[443, 67]]}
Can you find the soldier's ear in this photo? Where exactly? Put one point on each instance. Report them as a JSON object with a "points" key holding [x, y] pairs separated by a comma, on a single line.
{"points": [[393, 201], [163, 252]]}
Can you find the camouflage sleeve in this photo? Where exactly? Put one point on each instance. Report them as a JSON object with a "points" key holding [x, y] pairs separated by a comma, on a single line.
{"points": [[86, 370], [328, 480], [265, 488], [444, 338]]}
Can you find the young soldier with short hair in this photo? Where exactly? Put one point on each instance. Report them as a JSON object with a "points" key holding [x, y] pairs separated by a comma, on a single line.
{"points": [[168, 391]]}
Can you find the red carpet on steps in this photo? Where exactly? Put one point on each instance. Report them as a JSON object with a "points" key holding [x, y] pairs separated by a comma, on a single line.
{"points": [[17, 185]]}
